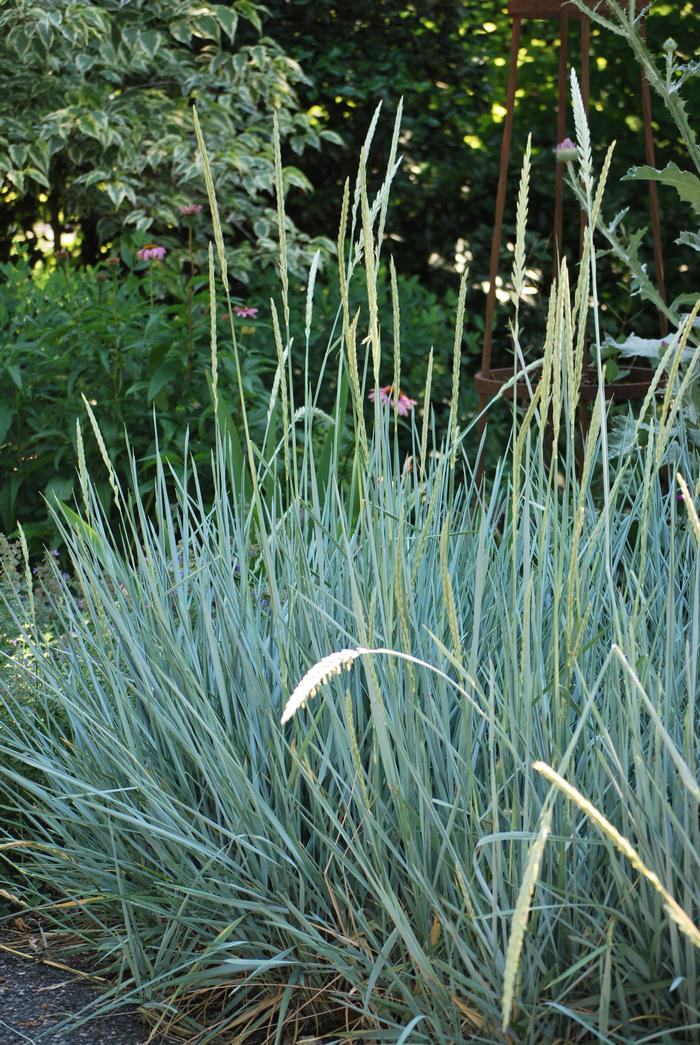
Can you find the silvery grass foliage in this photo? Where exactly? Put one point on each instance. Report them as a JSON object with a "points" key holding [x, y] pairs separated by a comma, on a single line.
{"points": [[486, 830]]}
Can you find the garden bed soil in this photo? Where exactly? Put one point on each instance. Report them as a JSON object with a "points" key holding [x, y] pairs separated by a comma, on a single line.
{"points": [[37, 995]]}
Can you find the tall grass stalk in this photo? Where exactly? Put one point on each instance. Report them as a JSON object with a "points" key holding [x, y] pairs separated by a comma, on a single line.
{"points": [[382, 866]]}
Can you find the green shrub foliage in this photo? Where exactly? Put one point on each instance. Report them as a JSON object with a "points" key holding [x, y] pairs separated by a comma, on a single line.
{"points": [[95, 124], [133, 336], [127, 336]]}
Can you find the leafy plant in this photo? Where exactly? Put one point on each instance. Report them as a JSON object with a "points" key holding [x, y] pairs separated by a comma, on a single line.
{"points": [[127, 336], [133, 335], [669, 79]]}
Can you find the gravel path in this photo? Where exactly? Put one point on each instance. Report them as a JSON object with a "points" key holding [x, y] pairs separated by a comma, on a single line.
{"points": [[35, 998]]}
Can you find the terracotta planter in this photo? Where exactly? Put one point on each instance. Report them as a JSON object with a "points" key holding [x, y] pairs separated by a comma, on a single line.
{"points": [[629, 389]]}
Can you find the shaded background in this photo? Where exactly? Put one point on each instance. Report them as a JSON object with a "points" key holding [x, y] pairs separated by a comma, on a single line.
{"points": [[116, 89], [449, 62]]}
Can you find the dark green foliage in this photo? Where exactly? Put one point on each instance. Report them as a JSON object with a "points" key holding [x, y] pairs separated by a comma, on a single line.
{"points": [[133, 339], [441, 61], [128, 338]]}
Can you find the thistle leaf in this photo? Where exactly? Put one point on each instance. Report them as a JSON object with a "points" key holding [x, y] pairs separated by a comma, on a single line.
{"points": [[687, 185]]}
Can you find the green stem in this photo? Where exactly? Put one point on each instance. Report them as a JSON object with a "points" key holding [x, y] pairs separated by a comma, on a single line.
{"points": [[190, 324], [647, 289], [117, 374], [670, 99]]}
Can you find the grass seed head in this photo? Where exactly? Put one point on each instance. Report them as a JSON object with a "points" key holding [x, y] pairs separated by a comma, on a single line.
{"points": [[318, 676]]}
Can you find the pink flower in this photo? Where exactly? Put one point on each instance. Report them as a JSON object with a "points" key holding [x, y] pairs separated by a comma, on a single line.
{"points": [[401, 403], [191, 208], [151, 252], [245, 311], [566, 151]]}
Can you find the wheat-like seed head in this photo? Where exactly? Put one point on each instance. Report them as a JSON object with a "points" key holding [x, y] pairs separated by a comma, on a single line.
{"points": [[396, 316], [281, 224], [391, 168], [212, 333], [673, 909], [334, 664], [690, 506], [354, 373], [317, 676], [520, 917], [371, 270], [310, 284], [211, 195], [518, 276], [456, 366], [27, 570], [281, 383], [111, 474], [583, 137], [426, 414]]}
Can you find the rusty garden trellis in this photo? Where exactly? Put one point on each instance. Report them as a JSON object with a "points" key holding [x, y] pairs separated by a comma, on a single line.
{"points": [[489, 381]]}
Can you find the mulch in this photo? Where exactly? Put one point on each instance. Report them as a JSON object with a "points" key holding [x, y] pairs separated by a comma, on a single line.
{"points": [[37, 994]]}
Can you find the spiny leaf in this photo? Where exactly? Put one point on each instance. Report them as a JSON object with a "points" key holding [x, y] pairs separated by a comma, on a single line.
{"points": [[687, 185]]}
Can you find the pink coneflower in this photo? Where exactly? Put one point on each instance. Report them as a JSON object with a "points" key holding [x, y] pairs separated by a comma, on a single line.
{"points": [[401, 403], [112, 261], [566, 151], [191, 208], [245, 311], [151, 252]]}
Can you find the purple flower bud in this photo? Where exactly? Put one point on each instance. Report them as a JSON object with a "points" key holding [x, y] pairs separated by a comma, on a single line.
{"points": [[566, 151]]}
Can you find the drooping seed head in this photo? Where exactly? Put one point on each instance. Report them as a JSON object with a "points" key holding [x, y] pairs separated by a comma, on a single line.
{"points": [[316, 677]]}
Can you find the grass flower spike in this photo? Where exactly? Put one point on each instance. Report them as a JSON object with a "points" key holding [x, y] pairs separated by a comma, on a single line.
{"points": [[317, 676], [673, 909], [690, 506]]}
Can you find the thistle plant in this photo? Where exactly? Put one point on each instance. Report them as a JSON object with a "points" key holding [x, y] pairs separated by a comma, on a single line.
{"points": [[390, 863], [667, 77]]}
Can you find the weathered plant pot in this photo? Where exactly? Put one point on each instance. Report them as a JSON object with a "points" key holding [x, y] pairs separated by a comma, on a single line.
{"points": [[631, 388]]}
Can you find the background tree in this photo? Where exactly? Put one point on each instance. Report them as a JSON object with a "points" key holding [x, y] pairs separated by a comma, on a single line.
{"points": [[96, 129]]}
